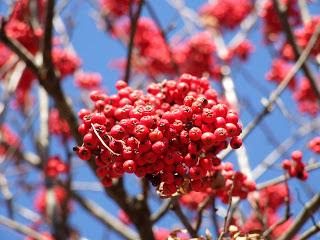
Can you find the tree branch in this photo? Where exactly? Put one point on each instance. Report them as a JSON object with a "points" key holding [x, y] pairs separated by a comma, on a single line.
{"points": [[20, 228], [133, 27], [105, 218], [312, 206]]}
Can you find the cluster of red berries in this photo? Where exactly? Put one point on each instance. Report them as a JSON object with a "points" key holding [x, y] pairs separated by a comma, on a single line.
{"points": [[65, 61], [241, 51], [193, 199], [196, 55], [295, 166], [306, 98], [271, 22], [55, 166], [225, 13], [314, 145], [116, 8], [9, 138], [303, 36], [273, 197], [279, 70], [238, 182], [171, 135], [88, 81], [153, 54], [58, 126]]}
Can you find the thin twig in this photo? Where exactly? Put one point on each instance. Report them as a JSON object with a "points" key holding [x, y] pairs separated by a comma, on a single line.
{"points": [[163, 209], [282, 178], [133, 27], [284, 218], [284, 146], [201, 208], [18, 227], [226, 218], [178, 211], [310, 232], [104, 217], [310, 207]]}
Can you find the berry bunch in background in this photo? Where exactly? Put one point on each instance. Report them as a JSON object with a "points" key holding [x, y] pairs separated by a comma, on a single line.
{"points": [[314, 145], [55, 166], [171, 135], [295, 166]]}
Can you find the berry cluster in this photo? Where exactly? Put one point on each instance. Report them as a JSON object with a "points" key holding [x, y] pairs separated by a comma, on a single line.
{"points": [[58, 126], [241, 51], [295, 166], [306, 98], [235, 181], [153, 54], [271, 22], [314, 145], [66, 61], [88, 81], [55, 166], [279, 70], [225, 13], [196, 55], [116, 8], [273, 197], [171, 135], [303, 36], [193, 199]]}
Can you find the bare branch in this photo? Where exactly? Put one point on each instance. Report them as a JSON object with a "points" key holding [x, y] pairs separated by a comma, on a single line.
{"points": [[310, 232], [18, 49], [201, 208], [282, 178], [6, 194], [310, 207], [18, 227], [133, 28], [178, 211], [104, 217], [47, 39], [164, 208], [284, 146]]}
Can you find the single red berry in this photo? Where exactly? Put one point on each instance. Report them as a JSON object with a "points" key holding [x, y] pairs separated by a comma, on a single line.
{"points": [[220, 134], [236, 142], [296, 156], [195, 134], [129, 166]]}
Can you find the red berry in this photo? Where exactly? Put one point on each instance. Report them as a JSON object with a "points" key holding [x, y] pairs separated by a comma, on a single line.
{"points": [[236, 142], [129, 166], [195, 134]]}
